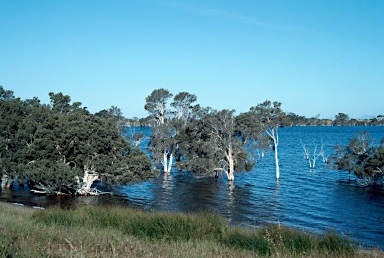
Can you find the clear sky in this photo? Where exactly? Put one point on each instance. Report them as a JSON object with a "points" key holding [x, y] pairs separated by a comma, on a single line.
{"points": [[315, 57]]}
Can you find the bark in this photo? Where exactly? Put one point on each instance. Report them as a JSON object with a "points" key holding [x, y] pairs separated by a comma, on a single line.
{"points": [[167, 165], [231, 165], [277, 164], [273, 133], [6, 181], [90, 176]]}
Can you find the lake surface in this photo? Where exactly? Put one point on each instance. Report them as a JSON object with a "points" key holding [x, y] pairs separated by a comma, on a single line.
{"points": [[316, 200]]}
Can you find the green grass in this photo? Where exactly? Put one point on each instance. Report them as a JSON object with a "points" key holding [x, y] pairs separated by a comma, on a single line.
{"points": [[119, 232], [159, 226]]}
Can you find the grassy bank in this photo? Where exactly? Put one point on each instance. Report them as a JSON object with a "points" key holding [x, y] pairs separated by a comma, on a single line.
{"points": [[120, 232]]}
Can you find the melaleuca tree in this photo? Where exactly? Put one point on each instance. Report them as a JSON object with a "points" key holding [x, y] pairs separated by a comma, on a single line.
{"points": [[62, 148], [156, 105], [183, 110], [11, 113], [362, 157], [80, 140], [216, 143], [114, 115], [169, 122], [374, 166], [6, 94], [271, 118], [162, 145]]}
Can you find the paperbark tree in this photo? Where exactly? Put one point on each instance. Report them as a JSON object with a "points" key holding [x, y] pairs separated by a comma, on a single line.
{"points": [[162, 138], [182, 104], [363, 158], [170, 121], [215, 143], [163, 144], [271, 118], [63, 149], [156, 105], [115, 115], [11, 112]]}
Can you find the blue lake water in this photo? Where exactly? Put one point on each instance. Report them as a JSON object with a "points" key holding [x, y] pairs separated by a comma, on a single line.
{"points": [[316, 200]]}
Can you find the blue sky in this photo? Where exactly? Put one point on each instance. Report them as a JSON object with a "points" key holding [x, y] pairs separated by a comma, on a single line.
{"points": [[315, 57]]}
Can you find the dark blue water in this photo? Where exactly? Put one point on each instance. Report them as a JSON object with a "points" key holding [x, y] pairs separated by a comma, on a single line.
{"points": [[316, 200]]}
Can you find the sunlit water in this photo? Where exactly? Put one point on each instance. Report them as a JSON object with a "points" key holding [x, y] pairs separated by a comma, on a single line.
{"points": [[316, 200]]}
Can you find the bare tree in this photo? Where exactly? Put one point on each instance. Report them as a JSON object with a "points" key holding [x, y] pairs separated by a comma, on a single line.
{"points": [[312, 158]]}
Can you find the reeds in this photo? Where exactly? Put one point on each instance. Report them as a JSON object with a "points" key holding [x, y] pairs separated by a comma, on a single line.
{"points": [[113, 231]]}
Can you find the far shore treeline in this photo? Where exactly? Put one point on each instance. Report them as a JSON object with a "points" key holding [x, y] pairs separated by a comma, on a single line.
{"points": [[61, 148]]}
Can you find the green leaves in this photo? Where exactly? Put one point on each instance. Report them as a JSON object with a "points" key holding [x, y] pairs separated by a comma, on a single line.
{"points": [[362, 157], [53, 145]]}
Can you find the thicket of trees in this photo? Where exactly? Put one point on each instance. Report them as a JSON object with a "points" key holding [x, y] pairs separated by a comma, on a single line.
{"points": [[61, 148], [208, 141], [204, 140]]}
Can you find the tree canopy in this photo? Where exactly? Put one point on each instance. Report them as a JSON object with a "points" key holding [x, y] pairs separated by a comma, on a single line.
{"points": [[62, 148], [204, 140], [362, 157]]}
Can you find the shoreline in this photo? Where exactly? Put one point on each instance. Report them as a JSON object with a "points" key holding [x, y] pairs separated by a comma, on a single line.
{"points": [[19, 206]]}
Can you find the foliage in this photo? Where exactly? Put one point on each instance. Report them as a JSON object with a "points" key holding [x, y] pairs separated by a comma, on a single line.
{"points": [[271, 117], [216, 142], [341, 119], [54, 145], [201, 140], [156, 105], [362, 157], [169, 123]]}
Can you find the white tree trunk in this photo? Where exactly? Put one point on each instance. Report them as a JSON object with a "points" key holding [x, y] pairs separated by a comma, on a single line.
{"points": [[170, 163], [231, 174], [231, 165], [165, 161], [7, 181], [90, 176], [277, 164], [167, 164], [4, 181], [273, 133]]}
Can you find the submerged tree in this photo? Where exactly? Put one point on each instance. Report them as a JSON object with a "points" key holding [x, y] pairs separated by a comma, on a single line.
{"points": [[362, 157], [170, 121], [312, 157], [210, 141], [271, 118], [216, 142]]}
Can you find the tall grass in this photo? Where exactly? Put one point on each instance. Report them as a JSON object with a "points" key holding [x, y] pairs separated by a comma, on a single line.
{"points": [[119, 232], [159, 226]]}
